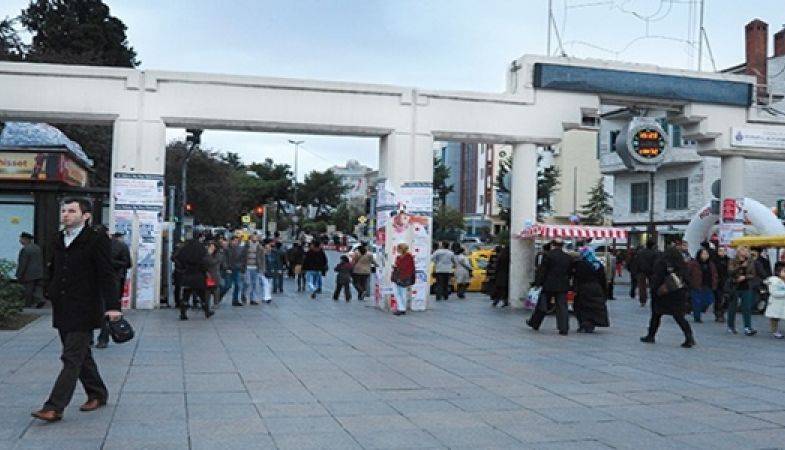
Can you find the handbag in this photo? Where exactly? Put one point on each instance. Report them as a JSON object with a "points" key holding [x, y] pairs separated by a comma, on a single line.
{"points": [[210, 281], [120, 330], [671, 284], [532, 297]]}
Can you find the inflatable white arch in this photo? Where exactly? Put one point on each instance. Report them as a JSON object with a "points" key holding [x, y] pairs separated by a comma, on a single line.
{"points": [[759, 215]]}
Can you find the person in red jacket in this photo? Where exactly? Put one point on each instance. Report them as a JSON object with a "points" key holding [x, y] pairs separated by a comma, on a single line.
{"points": [[403, 278]]}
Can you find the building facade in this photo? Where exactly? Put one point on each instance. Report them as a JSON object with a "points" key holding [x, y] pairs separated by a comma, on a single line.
{"points": [[357, 178]]}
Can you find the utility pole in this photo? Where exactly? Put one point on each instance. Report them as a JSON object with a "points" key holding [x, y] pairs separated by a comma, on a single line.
{"points": [[550, 20], [296, 158], [700, 38], [192, 141]]}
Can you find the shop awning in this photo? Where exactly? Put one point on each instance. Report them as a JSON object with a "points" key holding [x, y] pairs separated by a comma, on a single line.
{"points": [[542, 230]]}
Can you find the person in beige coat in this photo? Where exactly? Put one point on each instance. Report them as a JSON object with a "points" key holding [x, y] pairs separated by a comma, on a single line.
{"points": [[363, 263]]}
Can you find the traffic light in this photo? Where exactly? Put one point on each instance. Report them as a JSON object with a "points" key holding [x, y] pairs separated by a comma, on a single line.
{"points": [[193, 136], [259, 210], [189, 208], [781, 208]]}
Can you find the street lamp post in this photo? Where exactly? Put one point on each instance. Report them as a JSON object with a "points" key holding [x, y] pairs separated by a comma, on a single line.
{"points": [[296, 153], [194, 138]]}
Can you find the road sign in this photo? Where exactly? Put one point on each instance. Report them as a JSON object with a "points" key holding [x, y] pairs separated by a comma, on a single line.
{"points": [[246, 219]]}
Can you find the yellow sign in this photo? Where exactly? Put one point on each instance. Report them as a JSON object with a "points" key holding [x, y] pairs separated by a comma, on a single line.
{"points": [[246, 219], [362, 219]]}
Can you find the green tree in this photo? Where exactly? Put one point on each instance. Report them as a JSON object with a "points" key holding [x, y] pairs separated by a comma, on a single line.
{"points": [[345, 217], [505, 167], [11, 46], [76, 32], [547, 184], [447, 223], [279, 181], [598, 207], [213, 188], [322, 190], [233, 159], [441, 189]]}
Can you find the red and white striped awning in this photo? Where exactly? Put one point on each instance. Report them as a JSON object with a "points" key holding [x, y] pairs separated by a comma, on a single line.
{"points": [[541, 230]]}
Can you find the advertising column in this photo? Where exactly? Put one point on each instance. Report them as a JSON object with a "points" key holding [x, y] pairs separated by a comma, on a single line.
{"points": [[138, 214], [411, 224]]}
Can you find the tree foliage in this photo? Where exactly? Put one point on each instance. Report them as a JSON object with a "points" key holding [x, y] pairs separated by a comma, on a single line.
{"points": [[441, 174], [598, 207], [547, 184], [213, 185], [76, 32], [345, 217], [11, 46], [322, 190], [278, 181], [447, 223]]}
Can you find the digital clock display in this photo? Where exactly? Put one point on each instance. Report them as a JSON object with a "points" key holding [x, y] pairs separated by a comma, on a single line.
{"points": [[648, 143]]}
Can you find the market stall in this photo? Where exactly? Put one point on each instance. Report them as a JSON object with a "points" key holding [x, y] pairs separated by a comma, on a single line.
{"points": [[577, 232]]}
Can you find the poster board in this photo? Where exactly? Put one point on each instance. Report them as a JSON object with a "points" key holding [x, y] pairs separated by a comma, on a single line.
{"points": [[138, 214]]}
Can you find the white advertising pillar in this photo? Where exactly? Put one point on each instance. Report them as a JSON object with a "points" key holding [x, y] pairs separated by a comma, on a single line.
{"points": [[523, 208]]}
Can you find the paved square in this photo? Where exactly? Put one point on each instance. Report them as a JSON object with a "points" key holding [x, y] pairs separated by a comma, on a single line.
{"points": [[321, 374]]}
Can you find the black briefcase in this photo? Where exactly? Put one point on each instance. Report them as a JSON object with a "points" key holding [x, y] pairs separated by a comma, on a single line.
{"points": [[120, 330]]}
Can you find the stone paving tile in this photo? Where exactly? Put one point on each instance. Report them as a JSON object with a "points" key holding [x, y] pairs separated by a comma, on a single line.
{"points": [[304, 374], [397, 439], [306, 441]]}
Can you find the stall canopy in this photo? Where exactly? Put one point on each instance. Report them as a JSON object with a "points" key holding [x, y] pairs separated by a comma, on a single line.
{"points": [[541, 230]]}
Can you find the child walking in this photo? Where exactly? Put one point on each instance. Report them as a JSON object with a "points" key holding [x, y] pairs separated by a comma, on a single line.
{"points": [[775, 311], [343, 278]]}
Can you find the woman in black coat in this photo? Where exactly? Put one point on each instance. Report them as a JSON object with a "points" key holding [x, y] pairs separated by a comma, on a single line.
{"points": [[669, 290], [590, 292], [192, 257], [502, 278]]}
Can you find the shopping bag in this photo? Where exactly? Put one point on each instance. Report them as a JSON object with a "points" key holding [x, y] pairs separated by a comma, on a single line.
{"points": [[532, 297]]}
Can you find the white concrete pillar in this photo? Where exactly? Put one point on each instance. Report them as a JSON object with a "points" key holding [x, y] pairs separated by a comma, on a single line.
{"points": [[139, 146], [523, 208], [406, 157], [732, 176]]}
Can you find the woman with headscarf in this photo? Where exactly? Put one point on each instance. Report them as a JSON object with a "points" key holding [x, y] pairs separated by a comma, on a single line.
{"points": [[590, 292]]}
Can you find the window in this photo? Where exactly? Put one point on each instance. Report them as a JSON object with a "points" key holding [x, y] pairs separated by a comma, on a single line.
{"points": [[612, 143], [676, 136], [639, 197], [676, 194]]}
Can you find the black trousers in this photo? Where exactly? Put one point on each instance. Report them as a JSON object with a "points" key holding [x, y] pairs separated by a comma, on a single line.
{"points": [[442, 285], [78, 364], [656, 318], [633, 284], [187, 294], [562, 314], [361, 284], [33, 292], [347, 292]]}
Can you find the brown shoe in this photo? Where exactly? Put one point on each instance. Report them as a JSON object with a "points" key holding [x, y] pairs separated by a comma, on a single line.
{"points": [[92, 405], [47, 415]]}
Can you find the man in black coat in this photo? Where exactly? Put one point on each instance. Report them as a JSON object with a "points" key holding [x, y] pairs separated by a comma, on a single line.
{"points": [[30, 271], [553, 276], [121, 262], [81, 281], [644, 268]]}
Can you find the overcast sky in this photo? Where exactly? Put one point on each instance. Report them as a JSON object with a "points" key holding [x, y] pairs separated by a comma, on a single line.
{"points": [[441, 44]]}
